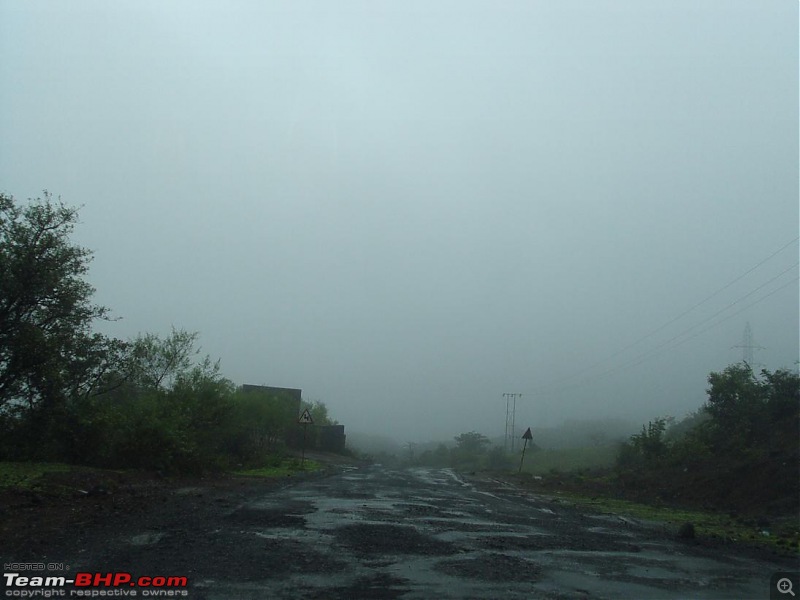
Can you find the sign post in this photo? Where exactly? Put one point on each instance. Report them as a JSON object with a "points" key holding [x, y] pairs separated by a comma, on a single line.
{"points": [[305, 420], [527, 436]]}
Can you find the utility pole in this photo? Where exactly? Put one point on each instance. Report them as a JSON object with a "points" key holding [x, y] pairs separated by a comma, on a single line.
{"points": [[514, 423], [508, 423], [511, 412]]}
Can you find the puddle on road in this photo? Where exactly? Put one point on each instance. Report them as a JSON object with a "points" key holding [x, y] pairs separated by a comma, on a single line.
{"points": [[187, 490], [383, 538], [608, 531], [315, 538], [639, 565], [416, 510], [147, 539], [373, 585], [491, 567], [263, 517], [617, 520], [663, 572], [463, 525]]}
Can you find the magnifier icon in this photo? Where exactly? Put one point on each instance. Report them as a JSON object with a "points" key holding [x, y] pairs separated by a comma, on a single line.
{"points": [[784, 586]]}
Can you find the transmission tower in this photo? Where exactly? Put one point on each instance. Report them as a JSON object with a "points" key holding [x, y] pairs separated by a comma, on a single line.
{"points": [[748, 346], [511, 411]]}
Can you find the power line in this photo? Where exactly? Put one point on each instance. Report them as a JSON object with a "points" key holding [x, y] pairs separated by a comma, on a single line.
{"points": [[681, 315], [661, 348], [729, 317], [734, 303]]}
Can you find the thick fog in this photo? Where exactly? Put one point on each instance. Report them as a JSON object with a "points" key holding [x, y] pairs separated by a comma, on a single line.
{"points": [[408, 209]]}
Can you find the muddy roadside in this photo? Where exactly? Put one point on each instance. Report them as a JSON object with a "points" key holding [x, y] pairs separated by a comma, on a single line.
{"points": [[754, 534], [67, 509]]}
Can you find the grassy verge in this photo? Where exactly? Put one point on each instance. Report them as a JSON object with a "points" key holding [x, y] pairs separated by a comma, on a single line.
{"points": [[541, 462], [583, 476], [58, 478], [28, 476], [286, 467], [780, 534]]}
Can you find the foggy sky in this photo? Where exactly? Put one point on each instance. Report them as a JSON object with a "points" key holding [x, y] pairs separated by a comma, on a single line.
{"points": [[407, 209]]}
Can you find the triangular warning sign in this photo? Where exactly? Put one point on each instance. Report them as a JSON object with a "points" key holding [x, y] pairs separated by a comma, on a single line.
{"points": [[305, 418], [527, 435]]}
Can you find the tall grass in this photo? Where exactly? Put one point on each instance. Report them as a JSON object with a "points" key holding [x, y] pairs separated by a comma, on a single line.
{"points": [[541, 462]]}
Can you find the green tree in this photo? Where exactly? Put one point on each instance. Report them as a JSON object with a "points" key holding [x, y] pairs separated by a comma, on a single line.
{"points": [[472, 442], [752, 416], [740, 448], [646, 449], [155, 363], [171, 413], [441, 456], [259, 424], [173, 410], [470, 451], [49, 356], [45, 303], [734, 398]]}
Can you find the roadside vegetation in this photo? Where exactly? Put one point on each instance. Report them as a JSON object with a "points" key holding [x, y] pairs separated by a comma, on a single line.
{"points": [[283, 467], [70, 395], [565, 460], [732, 468], [779, 533], [740, 452], [27, 476]]}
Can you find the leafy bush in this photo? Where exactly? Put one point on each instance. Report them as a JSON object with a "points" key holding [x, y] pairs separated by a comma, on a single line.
{"points": [[68, 394], [740, 450], [469, 452], [646, 448], [257, 426]]}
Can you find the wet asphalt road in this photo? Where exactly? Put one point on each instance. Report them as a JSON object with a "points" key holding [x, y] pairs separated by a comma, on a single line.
{"points": [[371, 532]]}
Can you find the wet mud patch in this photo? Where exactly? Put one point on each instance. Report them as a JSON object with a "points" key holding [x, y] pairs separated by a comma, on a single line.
{"points": [[446, 524], [236, 556], [397, 482], [512, 542], [377, 514], [524, 520], [380, 586], [581, 540], [259, 517], [370, 538], [147, 539], [350, 495], [419, 510], [491, 567]]}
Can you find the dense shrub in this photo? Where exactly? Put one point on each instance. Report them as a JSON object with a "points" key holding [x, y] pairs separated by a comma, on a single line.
{"points": [[165, 411], [740, 450], [257, 426]]}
